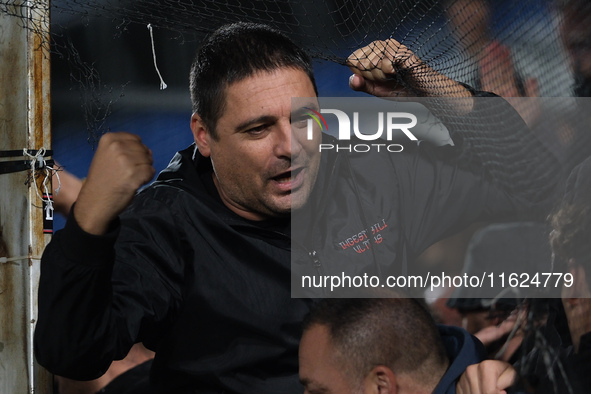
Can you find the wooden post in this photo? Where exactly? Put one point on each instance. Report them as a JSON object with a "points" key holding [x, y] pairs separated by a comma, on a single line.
{"points": [[24, 124]]}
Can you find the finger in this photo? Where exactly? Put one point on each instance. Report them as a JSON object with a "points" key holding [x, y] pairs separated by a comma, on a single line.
{"points": [[356, 82], [145, 173], [507, 378], [355, 59], [488, 382], [128, 145], [128, 136], [121, 143], [469, 381], [134, 149], [493, 333], [143, 158], [140, 152], [381, 65], [366, 58], [490, 373], [378, 75], [358, 54], [360, 84], [366, 63], [399, 55], [362, 67], [374, 61], [118, 136], [531, 88], [387, 66], [369, 65]]}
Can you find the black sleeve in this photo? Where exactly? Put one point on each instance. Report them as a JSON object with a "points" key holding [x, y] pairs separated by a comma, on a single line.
{"points": [[438, 199], [98, 295], [495, 137], [497, 171]]}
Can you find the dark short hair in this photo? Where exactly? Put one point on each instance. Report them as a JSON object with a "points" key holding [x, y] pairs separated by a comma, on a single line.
{"points": [[396, 332], [233, 53]]}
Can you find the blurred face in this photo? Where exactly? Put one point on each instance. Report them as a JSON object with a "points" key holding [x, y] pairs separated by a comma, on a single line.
{"points": [[320, 371], [576, 35], [261, 168], [469, 19]]}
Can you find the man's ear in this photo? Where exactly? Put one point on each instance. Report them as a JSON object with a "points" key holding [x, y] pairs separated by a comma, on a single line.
{"points": [[201, 135], [381, 380]]}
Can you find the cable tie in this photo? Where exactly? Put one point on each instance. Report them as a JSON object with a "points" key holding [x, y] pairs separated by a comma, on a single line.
{"points": [[39, 164], [4, 260]]}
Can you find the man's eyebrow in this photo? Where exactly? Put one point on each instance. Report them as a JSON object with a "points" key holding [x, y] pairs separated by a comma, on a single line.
{"points": [[316, 388], [258, 120], [300, 112]]}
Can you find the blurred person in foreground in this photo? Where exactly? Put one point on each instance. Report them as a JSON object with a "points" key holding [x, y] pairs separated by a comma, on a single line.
{"points": [[516, 247], [381, 345], [565, 369]]}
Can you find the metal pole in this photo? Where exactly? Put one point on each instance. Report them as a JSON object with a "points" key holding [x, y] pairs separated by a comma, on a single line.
{"points": [[24, 124]]}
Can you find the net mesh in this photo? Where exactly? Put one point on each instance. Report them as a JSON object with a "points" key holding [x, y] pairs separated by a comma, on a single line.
{"points": [[102, 49]]}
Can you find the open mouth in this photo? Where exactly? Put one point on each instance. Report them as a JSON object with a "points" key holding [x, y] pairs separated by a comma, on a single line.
{"points": [[287, 176]]}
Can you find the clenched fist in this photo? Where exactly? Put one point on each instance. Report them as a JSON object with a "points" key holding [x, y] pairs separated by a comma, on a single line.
{"points": [[487, 377], [121, 164], [389, 69]]}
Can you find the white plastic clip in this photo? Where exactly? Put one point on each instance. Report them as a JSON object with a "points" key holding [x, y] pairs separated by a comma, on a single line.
{"points": [[38, 164], [4, 260]]}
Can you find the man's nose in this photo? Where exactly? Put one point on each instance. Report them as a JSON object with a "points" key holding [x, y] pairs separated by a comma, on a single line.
{"points": [[286, 145]]}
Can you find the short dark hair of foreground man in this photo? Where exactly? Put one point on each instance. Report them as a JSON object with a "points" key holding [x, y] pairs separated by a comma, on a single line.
{"points": [[227, 57], [384, 345]]}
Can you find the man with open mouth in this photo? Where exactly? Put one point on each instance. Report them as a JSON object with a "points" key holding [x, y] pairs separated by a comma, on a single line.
{"points": [[197, 266]]}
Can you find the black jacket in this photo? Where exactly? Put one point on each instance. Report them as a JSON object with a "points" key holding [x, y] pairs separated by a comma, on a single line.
{"points": [[209, 291], [374, 213], [184, 275]]}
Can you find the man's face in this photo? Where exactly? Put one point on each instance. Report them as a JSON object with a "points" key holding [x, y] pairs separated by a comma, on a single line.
{"points": [[320, 370], [469, 20], [576, 35], [260, 171]]}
